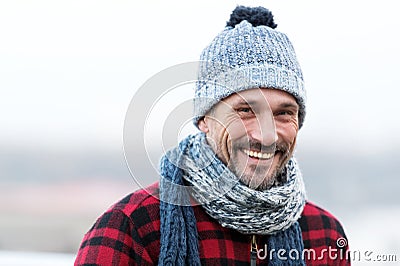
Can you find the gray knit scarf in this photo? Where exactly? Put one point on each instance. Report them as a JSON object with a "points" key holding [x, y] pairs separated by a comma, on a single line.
{"points": [[271, 212]]}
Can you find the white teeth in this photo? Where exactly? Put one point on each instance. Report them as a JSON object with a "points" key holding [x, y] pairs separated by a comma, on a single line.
{"points": [[259, 154]]}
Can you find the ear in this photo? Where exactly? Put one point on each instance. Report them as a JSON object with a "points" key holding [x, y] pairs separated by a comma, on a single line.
{"points": [[202, 124]]}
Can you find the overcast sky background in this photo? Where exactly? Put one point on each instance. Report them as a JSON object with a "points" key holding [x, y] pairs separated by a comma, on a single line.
{"points": [[68, 69]]}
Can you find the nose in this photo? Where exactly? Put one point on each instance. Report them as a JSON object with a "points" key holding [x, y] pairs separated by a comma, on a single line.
{"points": [[264, 130]]}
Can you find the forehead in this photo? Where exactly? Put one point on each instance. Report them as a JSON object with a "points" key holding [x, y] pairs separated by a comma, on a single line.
{"points": [[259, 96]]}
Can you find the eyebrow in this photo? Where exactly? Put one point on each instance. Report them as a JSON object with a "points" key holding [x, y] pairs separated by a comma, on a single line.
{"points": [[281, 105], [288, 105], [244, 102]]}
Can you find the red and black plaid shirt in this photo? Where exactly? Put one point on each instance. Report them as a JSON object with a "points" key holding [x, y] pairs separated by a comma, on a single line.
{"points": [[129, 234]]}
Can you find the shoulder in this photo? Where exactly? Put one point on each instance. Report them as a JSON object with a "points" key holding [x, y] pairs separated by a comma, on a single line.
{"points": [[320, 227], [127, 232], [145, 199], [142, 210], [322, 234], [316, 218]]}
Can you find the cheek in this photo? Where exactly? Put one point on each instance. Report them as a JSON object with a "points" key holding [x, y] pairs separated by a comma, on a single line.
{"points": [[288, 132], [223, 134], [236, 130], [230, 128], [218, 134]]}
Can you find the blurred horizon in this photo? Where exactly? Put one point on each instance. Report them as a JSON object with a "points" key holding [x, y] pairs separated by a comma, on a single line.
{"points": [[37, 196]]}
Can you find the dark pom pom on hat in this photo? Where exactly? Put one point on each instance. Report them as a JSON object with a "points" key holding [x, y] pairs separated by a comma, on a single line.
{"points": [[255, 15]]}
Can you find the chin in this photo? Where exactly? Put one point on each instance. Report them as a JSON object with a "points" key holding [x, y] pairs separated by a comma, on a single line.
{"points": [[274, 178], [256, 182]]}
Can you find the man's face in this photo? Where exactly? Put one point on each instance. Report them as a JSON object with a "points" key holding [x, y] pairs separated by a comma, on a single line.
{"points": [[254, 133]]}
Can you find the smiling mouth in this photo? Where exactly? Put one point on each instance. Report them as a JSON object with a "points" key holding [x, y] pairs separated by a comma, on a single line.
{"points": [[259, 155]]}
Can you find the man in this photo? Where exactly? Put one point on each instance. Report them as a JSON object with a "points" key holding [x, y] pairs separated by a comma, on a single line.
{"points": [[232, 194]]}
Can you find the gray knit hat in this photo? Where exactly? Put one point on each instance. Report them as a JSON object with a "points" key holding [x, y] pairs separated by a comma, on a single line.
{"points": [[248, 53]]}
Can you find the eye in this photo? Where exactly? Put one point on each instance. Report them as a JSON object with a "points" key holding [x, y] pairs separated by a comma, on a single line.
{"points": [[284, 113], [285, 116], [245, 110]]}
